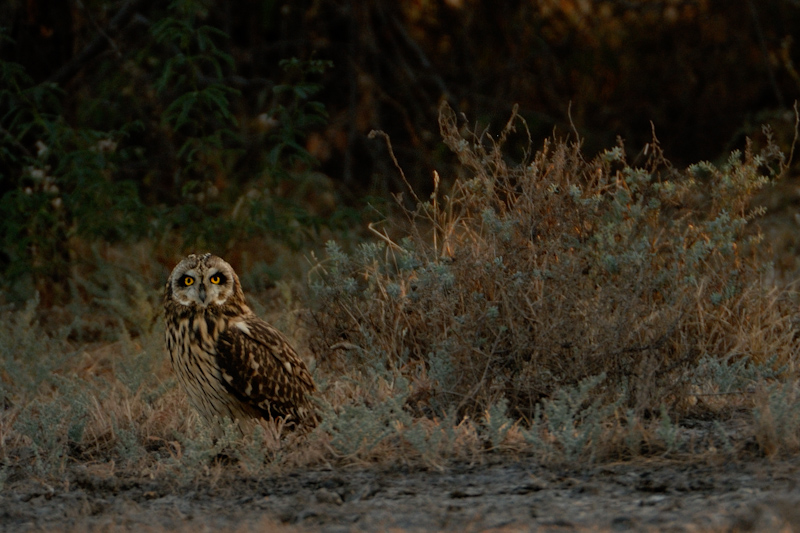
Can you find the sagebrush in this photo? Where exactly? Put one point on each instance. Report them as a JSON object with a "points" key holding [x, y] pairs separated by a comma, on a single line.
{"points": [[525, 278]]}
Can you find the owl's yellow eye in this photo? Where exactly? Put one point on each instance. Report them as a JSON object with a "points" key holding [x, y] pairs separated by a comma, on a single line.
{"points": [[188, 281], [215, 279]]}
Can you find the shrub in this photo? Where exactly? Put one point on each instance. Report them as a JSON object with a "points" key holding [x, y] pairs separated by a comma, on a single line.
{"points": [[152, 149], [526, 278], [57, 184]]}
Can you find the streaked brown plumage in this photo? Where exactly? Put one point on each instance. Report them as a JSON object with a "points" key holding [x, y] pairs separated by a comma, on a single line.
{"points": [[230, 362]]}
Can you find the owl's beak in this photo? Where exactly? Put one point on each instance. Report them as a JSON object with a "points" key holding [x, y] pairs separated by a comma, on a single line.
{"points": [[202, 293]]}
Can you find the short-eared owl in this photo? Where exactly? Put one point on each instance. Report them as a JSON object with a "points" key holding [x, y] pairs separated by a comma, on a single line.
{"points": [[231, 363]]}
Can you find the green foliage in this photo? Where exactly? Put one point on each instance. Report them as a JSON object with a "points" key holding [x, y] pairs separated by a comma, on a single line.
{"points": [[42, 423], [357, 429], [135, 367], [297, 114], [119, 293], [154, 150], [192, 79], [59, 183], [128, 446], [22, 345], [497, 423], [200, 113], [733, 374], [57, 412], [573, 421], [437, 442], [201, 445], [668, 431], [286, 162]]}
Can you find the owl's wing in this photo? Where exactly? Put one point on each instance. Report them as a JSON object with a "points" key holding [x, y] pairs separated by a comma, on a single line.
{"points": [[262, 370]]}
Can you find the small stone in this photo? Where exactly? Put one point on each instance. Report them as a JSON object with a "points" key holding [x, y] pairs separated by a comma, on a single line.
{"points": [[328, 496]]}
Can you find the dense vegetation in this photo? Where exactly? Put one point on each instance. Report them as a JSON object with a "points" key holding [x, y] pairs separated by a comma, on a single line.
{"points": [[541, 286], [216, 124]]}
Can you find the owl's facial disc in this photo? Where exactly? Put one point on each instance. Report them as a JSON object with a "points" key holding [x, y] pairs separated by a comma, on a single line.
{"points": [[202, 281]]}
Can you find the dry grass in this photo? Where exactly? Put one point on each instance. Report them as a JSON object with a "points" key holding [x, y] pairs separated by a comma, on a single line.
{"points": [[527, 280], [577, 310]]}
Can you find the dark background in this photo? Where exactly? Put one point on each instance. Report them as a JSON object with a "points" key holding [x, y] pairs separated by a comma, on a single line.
{"points": [[702, 74]]}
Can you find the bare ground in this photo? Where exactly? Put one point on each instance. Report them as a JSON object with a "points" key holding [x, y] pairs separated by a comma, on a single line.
{"points": [[511, 494]]}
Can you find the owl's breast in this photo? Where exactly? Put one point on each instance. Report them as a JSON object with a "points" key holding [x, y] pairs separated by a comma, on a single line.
{"points": [[192, 346]]}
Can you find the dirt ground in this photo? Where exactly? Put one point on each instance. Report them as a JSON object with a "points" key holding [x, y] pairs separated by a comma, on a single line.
{"points": [[507, 495]]}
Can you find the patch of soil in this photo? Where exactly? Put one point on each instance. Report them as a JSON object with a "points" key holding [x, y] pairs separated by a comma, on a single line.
{"points": [[508, 495]]}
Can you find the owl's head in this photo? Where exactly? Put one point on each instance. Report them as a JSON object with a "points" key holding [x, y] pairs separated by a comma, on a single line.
{"points": [[203, 281]]}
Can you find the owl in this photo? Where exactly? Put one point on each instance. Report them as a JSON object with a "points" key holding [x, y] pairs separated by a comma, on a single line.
{"points": [[230, 362]]}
